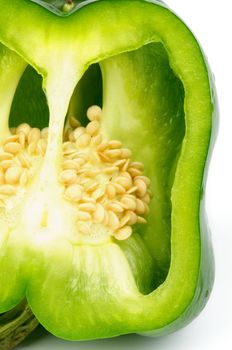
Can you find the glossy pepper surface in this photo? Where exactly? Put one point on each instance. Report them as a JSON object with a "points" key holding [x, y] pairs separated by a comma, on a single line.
{"points": [[86, 269]]}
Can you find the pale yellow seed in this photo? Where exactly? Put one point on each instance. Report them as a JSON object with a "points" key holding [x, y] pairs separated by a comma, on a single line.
{"points": [[12, 175], [119, 188], [134, 172], [144, 178], [71, 135], [99, 214], [96, 140], [102, 147], [83, 215], [71, 164], [137, 165], [126, 153], [129, 203], [12, 138], [92, 173], [24, 178], [141, 220], [83, 181], [67, 145], [110, 191], [90, 207], [94, 113], [83, 140], [44, 133], [85, 172], [140, 207], [22, 138], [113, 221], [102, 199], [126, 165], [78, 132], [146, 198], [98, 193], [79, 161], [5, 164], [92, 187], [24, 160], [113, 153], [2, 177], [105, 158], [7, 190], [34, 135], [125, 219], [110, 170], [70, 153], [131, 196], [25, 128], [32, 148], [74, 193], [129, 218], [82, 155], [106, 218], [93, 128], [83, 227], [126, 174], [132, 190], [12, 147], [73, 122], [120, 162], [115, 207], [142, 187], [87, 199], [41, 147], [116, 202], [68, 176], [114, 144], [124, 181], [123, 233], [6, 156], [133, 218]]}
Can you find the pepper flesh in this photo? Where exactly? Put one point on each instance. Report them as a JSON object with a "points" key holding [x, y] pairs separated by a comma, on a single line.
{"points": [[159, 88]]}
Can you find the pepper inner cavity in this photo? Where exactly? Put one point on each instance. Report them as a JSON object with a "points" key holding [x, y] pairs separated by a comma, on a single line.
{"points": [[104, 186]]}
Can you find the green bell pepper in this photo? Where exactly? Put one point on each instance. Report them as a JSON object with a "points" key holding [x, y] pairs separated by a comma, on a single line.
{"points": [[143, 66]]}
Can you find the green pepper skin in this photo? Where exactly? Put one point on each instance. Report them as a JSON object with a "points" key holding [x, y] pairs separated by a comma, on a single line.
{"points": [[89, 292]]}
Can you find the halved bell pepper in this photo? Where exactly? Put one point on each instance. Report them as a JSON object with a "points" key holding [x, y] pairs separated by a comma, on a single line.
{"points": [[143, 68]]}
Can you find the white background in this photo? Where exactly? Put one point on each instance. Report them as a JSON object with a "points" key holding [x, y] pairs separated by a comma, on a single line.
{"points": [[210, 21]]}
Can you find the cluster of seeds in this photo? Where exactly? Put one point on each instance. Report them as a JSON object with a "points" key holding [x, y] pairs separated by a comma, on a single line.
{"points": [[99, 176], [17, 153]]}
